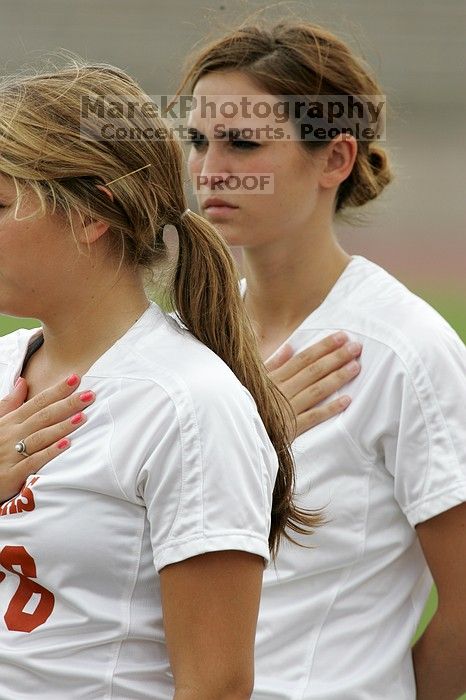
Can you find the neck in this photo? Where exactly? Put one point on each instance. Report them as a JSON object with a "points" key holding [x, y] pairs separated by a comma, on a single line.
{"points": [[76, 336], [288, 279]]}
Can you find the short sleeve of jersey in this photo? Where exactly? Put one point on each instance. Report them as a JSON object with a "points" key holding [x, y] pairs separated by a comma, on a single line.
{"points": [[9, 345], [411, 411], [201, 463]]}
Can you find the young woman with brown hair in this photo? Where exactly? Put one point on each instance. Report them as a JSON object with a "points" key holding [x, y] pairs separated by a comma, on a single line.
{"points": [[336, 620], [130, 565]]}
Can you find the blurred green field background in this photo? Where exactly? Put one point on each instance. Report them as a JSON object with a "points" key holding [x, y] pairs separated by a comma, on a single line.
{"points": [[451, 306]]}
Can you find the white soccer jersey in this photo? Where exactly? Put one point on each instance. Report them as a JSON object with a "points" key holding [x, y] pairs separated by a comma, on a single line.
{"points": [[172, 462], [336, 620]]}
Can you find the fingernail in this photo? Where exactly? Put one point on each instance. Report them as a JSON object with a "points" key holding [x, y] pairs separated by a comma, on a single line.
{"points": [[340, 338], [353, 348], [63, 444], [353, 367], [345, 401], [87, 396], [77, 418], [17, 381], [73, 380]]}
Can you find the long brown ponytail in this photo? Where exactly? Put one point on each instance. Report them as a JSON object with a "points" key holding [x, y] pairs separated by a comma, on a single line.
{"points": [[214, 312]]}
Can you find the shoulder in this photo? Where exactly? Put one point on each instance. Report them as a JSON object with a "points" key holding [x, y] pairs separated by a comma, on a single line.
{"points": [[13, 347], [188, 443], [13, 343], [162, 365], [393, 323], [168, 355], [412, 361]]}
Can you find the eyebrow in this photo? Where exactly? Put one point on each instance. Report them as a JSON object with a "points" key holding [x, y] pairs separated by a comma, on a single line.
{"points": [[223, 134], [234, 134], [195, 132]]}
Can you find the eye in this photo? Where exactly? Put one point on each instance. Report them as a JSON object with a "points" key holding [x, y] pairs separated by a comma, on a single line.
{"points": [[196, 139], [244, 145]]}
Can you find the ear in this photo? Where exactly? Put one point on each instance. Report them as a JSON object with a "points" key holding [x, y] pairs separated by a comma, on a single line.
{"points": [[93, 229], [341, 153], [106, 191]]}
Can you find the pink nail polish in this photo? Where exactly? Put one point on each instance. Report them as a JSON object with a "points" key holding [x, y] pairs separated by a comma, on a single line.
{"points": [[77, 418], [17, 381], [73, 380], [87, 396], [63, 443]]}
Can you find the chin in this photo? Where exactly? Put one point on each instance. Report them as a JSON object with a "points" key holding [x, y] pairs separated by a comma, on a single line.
{"points": [[12, 306], [231, 236]]}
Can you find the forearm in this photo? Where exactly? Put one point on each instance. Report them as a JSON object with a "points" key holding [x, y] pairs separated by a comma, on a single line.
{"points": [[439, 659], [217, 686]]}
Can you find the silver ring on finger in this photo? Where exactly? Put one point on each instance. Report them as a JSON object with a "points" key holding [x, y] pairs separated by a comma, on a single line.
{"points": [[20, 448]]}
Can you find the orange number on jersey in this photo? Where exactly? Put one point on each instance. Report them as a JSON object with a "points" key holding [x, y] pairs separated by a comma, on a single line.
{"points": [[16, 619]]}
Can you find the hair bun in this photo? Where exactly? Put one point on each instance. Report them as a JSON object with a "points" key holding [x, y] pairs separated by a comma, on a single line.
{"points": [[370, 174], [380, 165], [377, 157]]}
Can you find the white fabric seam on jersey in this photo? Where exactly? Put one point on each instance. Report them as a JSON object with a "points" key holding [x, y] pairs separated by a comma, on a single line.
{"points": [[343, 579], [260, 461], [339, 423], [176, 543], [187, 395], [403, 340], [407, 372], [129, 602], [200, 535], [432, 398], [218, 543], [223, 533], [258, 458], [201, 457], [457, 491], [109, 451], [414, 507], [159, 386], [110, 676]]}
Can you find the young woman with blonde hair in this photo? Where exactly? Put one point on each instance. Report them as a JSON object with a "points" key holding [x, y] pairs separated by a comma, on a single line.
{"points": [[131, 564], [336, 620]]}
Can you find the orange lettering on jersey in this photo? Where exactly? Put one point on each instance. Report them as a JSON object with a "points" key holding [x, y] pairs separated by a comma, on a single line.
{"points": [[24, 501], [16, 618]]}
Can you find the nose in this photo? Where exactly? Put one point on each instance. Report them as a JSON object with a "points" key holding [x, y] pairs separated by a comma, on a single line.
{"points": [[215, 167]]}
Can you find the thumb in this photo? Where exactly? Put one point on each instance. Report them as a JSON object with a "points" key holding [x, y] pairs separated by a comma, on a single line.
{"points": [[15, 398], [279, 358]]}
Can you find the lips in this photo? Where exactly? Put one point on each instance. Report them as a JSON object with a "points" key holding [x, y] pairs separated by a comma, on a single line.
{"points": [[217, 203]]}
